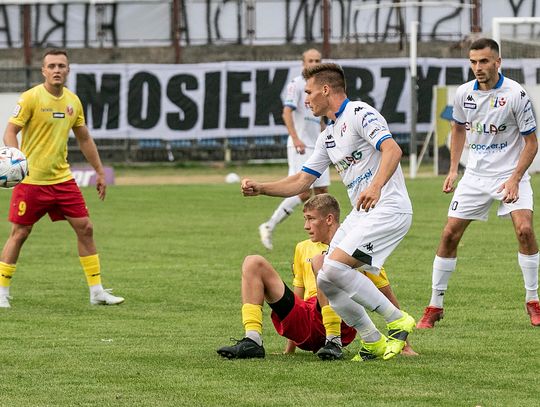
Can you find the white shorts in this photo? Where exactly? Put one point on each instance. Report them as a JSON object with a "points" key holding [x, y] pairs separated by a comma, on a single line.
{"points": [[371, 237], [474, 196], [296, 162]]}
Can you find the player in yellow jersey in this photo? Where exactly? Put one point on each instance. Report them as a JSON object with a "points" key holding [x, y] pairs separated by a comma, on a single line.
{"points": [[46, 113], [303, 316]]}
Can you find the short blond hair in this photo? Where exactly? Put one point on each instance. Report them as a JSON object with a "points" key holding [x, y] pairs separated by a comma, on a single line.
{"points": [[324, 203]]}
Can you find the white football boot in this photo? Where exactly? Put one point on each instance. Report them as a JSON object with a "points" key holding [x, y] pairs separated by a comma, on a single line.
{"points": [[105, 298]]}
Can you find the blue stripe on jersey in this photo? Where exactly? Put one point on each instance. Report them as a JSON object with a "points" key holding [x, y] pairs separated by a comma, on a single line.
{"points": [[293, 107], [378, 146], [310, 171], [497, 85], [526, 133], [342, 107]]}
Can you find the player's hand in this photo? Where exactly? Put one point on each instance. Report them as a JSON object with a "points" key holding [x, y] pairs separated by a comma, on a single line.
{"points": [[250, 187], [449, 182], [299, 146], [101, 186], [368, 198], [510, 190]]}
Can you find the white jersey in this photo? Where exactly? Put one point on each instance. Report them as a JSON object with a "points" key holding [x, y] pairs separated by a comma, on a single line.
{"points": [[307, 126], [495, 121], [352, 144]]}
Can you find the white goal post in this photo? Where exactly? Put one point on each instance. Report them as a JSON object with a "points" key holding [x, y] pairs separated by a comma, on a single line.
{"points": [[516, 22]]}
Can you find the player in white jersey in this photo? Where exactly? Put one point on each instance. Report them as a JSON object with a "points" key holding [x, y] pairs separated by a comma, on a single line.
{"points": [[359, 144], [303, 128], [493, 114]]}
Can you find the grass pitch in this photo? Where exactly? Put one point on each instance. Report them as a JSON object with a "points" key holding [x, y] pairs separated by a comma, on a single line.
{"points": [[175, 253]]}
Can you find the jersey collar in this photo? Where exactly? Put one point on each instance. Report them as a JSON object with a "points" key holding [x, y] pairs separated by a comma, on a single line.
{"points": [[497, 85], [342, 107]]}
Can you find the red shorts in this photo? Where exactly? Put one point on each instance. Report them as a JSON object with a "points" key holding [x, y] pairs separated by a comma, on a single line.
{"points": [[30, 202], [304, 326]]}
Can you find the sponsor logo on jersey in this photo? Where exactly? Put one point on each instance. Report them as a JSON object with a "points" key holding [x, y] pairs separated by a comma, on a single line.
{"points": [[362, 178], [368, 247], [468, 105], [58, 115], [470, 98], [484, 128], [16, 111], [346, 162], [343, 129], [523, 94], [366, 120], [376, 131], [329, 142], [488, 148], [46, 109], [357, 109], [499, 101]]}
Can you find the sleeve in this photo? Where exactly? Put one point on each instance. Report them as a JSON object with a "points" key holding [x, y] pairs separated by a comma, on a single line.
{"points": [[80, 114], [458, 114], [291, 97], [524, 113], [23, 110], [319, 161], [371, 125], [298, 276]]}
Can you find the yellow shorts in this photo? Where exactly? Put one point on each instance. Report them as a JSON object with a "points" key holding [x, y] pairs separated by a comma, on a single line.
{"points": [[380, 280]]}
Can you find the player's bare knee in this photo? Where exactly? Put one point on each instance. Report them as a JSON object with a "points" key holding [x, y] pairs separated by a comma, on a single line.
{"points": [[525, 233], [304, 196], [86, 229], [20, 233], [254, 264], [450, 236], [320, 190]]}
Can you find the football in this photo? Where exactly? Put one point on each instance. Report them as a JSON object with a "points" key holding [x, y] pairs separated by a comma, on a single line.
{"points": [[13, 167]]}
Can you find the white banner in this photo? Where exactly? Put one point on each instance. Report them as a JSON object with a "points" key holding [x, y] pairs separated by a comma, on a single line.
{"points": [[232, 99]]}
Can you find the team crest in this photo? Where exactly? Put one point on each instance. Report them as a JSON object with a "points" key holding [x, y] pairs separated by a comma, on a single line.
{"points": [[69, 110], [343, 129]]}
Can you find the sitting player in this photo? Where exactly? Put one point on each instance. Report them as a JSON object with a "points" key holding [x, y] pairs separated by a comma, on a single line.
{"points": [[303, 316]]}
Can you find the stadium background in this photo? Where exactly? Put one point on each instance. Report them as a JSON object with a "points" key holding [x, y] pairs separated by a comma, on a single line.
{"points": [[370, 38], [174, 251]]}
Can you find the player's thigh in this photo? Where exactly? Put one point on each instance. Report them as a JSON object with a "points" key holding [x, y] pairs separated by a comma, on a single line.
{"points": [[525, 201], [69, 201], [29, 203], [472, 199], [371, 237]]}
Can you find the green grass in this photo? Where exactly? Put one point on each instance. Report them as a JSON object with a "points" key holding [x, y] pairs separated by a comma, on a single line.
{"points": [[175, 252]]}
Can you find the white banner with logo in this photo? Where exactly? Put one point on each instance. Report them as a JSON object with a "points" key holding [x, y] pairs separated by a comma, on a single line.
{"points": [[244, 99]]}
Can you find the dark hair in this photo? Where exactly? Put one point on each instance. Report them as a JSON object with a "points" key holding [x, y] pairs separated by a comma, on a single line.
{"points": [[329, 74], [324, 203], [55, 51], [482, 43]]}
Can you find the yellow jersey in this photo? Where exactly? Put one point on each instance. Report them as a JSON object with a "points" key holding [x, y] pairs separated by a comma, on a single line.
{"points": [[46, 121], [304, 277]]}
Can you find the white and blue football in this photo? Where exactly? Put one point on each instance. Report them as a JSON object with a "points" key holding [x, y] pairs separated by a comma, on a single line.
{"points": [[13, 167]]}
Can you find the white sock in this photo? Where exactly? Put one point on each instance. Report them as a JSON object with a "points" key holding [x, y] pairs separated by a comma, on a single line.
{"points": [[352, 313], [255, 337], [360, 289], [442, 271], [285, 208], [4, 290], [95, 289], [529, 268]]}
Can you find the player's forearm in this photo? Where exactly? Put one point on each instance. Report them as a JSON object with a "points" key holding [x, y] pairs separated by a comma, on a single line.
{"points": [[10, 135], [527, 157], [289, 123], [290, 186], [456, 146], [390, 158], [90, 152]]}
